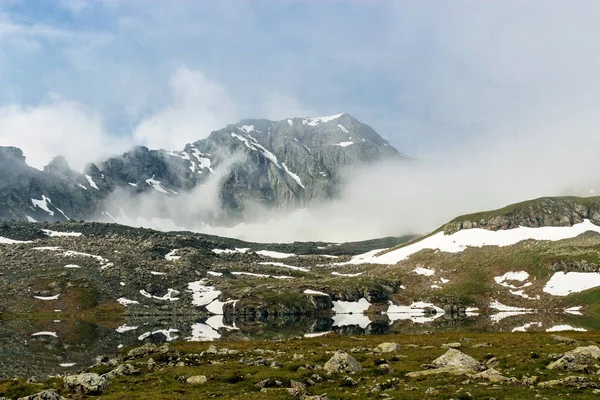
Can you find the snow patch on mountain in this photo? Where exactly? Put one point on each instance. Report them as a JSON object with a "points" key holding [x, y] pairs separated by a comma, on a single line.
{"points": [[43, 204], [156, 185], [91, 182], [565, 283], [293, 175], [314, 121], [477, 237]]}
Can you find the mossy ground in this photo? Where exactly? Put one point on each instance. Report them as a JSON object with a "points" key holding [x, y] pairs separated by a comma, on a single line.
{"points": [[521, 354]]}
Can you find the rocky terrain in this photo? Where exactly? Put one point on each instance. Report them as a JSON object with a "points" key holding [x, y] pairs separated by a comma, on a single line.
{"points": [[442, 366], [255, 163], [72, 290]]}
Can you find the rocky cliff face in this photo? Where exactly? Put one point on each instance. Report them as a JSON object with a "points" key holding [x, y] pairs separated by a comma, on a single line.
{"points": [[274, 164], [550, 211]]}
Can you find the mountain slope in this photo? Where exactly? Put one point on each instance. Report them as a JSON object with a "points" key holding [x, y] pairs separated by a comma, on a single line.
{"points": [[273, 164]]}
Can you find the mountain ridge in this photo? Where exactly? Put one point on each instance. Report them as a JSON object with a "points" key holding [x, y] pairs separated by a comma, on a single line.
{"points": [[286, 164]]}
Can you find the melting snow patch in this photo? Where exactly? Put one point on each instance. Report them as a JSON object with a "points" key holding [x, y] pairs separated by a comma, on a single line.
{"points": [[574, 310], [519, 276], [561, 328], [344, 144], [125, 328], [156, 185], [563, 284], [72, 266], [472, 311], [157, 273], [43, 204], [424, 271], [347, 275], [59, 234], [274, 254], [351, 307], [171, 256], [170, 295], [125, 302], [46, 298], [30, 219], [343, 128], [66, 365], [91, 182], [45, 333], [263, 275], [229, 251], [293, 175], [81, 186], [218, 321], [523, 328], [203, 333], [207, 296], [213, 273], [247, 128], [317, 334], [506, 311], [361, 320], [314, 292], [169, 334], [290, 122], [416, 312], [4, 240], [476, 237], [314, 121], [278, 264], [132, 184]]}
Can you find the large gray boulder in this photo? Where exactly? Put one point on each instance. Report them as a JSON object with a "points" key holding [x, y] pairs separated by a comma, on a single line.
{"points": [[86, 384], [342, 362], [578, 359], [121, 370], [453, 362]]}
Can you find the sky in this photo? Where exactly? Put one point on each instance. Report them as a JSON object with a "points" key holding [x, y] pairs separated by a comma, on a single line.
{"points": [[90, 78]]}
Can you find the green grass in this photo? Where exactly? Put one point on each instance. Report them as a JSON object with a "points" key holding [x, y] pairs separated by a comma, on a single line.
{"points": [[522, 354]]}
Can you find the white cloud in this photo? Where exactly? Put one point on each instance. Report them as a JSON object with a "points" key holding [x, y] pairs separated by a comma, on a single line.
{"points": [[58, 127], [198, 106]]}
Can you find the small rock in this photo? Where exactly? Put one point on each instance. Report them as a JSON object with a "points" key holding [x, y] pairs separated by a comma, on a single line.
{"points": [[212, 349], [142, 351], [491, 375], [348, 382], [529, 380], [196, 380], [431, 390], [455, 345], [563, 339], [45, 395], [481, 345], [121, 370], [577, 359]]}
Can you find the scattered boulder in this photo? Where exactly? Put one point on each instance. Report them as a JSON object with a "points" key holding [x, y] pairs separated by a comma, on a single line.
{"points": [[121, 370], [45, 395], [563, 339], [577, 359], [143, 351], [576, 381], [342, 362], [196, 380], [387, 347], [453, 362], [491, 375], [456, 345], [92, 384], [456, 359]]}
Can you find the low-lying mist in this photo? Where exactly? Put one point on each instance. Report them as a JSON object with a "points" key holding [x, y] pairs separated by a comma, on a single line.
{"points": [[396, 198]]}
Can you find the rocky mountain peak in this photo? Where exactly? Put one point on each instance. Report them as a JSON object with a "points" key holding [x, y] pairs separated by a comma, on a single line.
{"points": [[10, 153]]}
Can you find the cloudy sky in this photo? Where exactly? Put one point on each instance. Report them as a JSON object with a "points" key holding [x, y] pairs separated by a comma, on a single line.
{"points": [[89, 78]]}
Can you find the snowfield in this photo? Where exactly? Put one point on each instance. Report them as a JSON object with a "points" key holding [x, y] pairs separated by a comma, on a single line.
{"points": [[563, 284], [476, 237]]}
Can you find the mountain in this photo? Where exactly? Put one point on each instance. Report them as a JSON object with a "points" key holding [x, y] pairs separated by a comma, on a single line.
{"points": [[255, 163]]}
